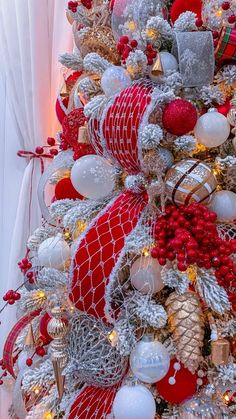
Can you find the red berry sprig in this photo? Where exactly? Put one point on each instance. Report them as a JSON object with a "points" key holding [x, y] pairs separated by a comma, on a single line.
{"points": [[24, 265], [125, 46], [87, 3], [150, 54], [188, 235], [72, 5], [11, 297]]}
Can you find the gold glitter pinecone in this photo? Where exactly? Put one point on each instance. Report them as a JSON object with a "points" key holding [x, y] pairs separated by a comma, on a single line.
{"points": [[185, 318]]}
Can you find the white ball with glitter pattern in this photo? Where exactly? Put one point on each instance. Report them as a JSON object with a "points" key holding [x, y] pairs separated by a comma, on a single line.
{"points": [[115, 79], [54, 252], [149, 360], [93, 176], [134, 402]]}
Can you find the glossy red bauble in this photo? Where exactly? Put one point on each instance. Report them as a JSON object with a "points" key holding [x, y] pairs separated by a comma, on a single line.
{"points": [[65, 190], [184, 388], [224, 109], [45, 337], [181, 6], [179, 117]]}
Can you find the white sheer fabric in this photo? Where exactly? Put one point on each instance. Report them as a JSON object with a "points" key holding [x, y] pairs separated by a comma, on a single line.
{"points": [[32, 34]]}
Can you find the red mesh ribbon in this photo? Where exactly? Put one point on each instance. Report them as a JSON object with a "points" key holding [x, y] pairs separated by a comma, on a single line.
{"points": [[226, 47], [11, 340], [99, 250], [93, 403], [30, 155], [122, 123]]}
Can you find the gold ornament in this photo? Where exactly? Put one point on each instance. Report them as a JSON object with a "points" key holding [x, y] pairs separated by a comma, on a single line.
{"points": [[157, 69], [29, 339], [186, 322], [58, 329], [100, 40], [80, 227], [190, 181], [220, 349]]}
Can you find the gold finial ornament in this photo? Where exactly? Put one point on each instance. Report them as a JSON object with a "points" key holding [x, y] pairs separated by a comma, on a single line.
{"points": [[29, 339], [220, 349], [58, 329]]}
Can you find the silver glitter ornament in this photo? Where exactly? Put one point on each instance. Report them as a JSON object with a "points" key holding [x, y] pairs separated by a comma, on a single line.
{"points": [[200, 407], [94, 359]]}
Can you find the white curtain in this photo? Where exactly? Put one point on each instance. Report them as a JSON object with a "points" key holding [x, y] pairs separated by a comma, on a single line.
{"points": [[32, 34]]}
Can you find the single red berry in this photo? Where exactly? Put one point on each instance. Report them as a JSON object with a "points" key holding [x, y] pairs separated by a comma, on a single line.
{"points": [[9, 294], [232, 19], [120, 47], [29, 266], [39, 150], [199, 22], [11, 301], [1, 382], [124, 39], [24, 262], [31, 281], [53, 151], [225, 5], [149, 47], [134, 43], [181, 267], [150, 61], [51, 141], [29, 362], [5, 298], [215, 34], [17, 296]]}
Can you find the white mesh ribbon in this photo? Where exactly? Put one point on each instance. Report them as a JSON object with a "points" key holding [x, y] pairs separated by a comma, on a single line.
{"points": [[195, 54]]}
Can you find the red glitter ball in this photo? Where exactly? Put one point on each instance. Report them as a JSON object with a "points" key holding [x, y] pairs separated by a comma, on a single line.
{"points": [[71, 124], [179, 117]]}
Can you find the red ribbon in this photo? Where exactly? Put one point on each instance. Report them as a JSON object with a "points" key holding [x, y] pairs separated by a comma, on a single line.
{"points": [[31, 155]]}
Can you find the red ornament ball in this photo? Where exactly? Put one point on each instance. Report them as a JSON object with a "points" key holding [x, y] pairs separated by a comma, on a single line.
{"points": [[181, 6], [179, 117], [43, 325], [65, 190], [185, 385], [224, 109], [71, 124]]}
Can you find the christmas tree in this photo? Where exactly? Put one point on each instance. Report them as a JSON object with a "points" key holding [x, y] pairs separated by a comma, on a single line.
{"points": [[127, 304]]}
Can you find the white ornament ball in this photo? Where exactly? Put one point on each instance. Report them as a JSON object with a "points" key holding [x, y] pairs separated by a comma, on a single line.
{"points": [[93, 176], [145, 275], [149, 360], [54, 252], [223, 204], [115, 79], [212, 129], [134, 402], [168, 62]]}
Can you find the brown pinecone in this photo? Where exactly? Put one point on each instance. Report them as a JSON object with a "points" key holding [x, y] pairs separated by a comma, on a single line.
{"points": [[185, 318]]}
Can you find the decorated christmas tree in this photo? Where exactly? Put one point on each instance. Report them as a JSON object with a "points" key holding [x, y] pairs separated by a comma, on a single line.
{"points": [[127, 304]]}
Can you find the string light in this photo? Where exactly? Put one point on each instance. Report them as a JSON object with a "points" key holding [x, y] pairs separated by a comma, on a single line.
{"points": [[131, 25], [152, 33], [219, 13], [113, 337], [145, 251], [40, 294], [36, 390], [48, 415], [226, 398]]}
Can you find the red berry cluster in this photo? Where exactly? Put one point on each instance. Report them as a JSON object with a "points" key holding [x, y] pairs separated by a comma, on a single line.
{"points": [[150, 54], [188, 235], [31, 277], [53, 151], [72, 5], [87, 3], [125, 46], [82, 150], [24, 265], [11, 297], [4, 374]]}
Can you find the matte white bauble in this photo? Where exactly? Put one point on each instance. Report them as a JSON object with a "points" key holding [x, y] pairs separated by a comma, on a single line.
{"points": [[223, 204], [168, 62], [115, 79], [54, 252], [212, 129], [134, 402], [149, 360], [93, 176], [145, 275]]}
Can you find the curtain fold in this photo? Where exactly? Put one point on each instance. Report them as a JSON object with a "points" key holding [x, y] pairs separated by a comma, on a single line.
{"points": [[32, 34]]}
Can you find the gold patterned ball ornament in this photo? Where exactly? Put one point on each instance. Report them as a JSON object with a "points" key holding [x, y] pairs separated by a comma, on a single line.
{"points": [[99, 40], [190, 181]]}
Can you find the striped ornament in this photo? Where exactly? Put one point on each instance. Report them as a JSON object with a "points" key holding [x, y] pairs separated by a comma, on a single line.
{"points": [[190, 181]]}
